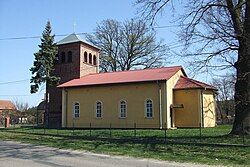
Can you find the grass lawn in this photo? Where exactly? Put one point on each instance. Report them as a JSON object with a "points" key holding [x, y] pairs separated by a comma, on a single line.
{"points": [[182, 145]]}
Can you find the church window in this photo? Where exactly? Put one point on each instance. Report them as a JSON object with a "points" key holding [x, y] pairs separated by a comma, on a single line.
{"points": [[149, 108], [123, 108], [85, 57], [76, 110], [98, 109], [63, 57], [90, 58], [69, 56], [94, 59]]}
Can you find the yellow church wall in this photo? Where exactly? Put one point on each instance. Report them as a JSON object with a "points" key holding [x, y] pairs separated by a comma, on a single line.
{"points": [[209, 109], [189, 115], [135, 95], [169, 97]]}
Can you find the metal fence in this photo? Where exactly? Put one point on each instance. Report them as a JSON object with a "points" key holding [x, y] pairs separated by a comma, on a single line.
{"points": [[139, 132]]}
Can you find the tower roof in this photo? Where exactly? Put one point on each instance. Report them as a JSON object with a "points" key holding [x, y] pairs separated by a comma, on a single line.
{"points": [[72, 38]]}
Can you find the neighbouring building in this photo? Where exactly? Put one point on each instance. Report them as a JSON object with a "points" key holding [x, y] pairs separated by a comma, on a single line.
{"points": [[151, 98], [6, 106]]}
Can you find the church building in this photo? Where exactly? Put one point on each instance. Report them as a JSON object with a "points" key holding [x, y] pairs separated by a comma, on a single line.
{"points": [[149, 98]]}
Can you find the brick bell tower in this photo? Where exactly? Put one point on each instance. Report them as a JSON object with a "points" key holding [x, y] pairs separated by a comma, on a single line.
{"points": [[75, 58]]}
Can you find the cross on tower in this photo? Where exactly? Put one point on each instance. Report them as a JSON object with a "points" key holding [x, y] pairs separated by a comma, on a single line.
{"points": [[74, 27]]}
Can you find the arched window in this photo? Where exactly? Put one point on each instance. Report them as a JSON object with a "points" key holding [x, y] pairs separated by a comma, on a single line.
{"points": [[98, 109], [90, 58], [76, 110], [69, 56], [63, 57], [94, 59], [149, 108], [85, 57], [123, 108]]}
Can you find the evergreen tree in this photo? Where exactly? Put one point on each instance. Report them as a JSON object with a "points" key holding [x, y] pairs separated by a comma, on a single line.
{"points": [[44, 62]]}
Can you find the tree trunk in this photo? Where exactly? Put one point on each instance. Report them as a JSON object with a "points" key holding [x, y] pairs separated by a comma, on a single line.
{"points": [[242, 87]]}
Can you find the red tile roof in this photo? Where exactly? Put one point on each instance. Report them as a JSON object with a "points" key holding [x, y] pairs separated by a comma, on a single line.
{"points": [[187, 83], [145, 75], [6, 104]]}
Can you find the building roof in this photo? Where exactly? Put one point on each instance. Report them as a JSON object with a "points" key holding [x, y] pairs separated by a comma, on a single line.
{"points": [[7, 105], [41, 105], [132, 76], [187, 83], [72, 38]]}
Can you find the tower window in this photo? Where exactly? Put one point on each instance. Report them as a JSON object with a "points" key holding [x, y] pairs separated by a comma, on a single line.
{"points": [[69, 56], [85, 57], [90, 58], [94, 59], [63, 57]]}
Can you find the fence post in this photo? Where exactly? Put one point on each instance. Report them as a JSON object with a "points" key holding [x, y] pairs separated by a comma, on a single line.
{"points": [[14, 126], [110, 131], [90, 129], [57, 128], [73, 128], [243, 135], [200, 131], [165, 131], [135, 129], [33, 127]]}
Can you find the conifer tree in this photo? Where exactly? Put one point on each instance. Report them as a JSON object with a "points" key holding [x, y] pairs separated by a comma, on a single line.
{"points": [[43, 65]]}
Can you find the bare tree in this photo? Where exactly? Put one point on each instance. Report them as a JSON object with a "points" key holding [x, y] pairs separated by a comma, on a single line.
{"points": [[127, 45], [225, 86], [225, 96], [21, 108], [222, 31]]}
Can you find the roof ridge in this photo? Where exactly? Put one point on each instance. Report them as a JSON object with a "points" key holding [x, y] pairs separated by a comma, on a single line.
{"points": [[75, 38], [197, 82], [133, 70], [5, 100]]}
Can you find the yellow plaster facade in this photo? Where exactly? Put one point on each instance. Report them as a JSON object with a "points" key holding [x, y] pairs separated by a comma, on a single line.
{"points": [[209, 108], [110, 96], [162, 94], [198, 108]]}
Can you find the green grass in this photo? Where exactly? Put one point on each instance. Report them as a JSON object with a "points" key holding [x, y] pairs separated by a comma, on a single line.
{"points": [[183, 145]]}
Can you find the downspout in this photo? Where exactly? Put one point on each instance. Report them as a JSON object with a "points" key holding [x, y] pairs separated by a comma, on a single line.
{"points": [[160, 104], [66, 107], [202, 109]]}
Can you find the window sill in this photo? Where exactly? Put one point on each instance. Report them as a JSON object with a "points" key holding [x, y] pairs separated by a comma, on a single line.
{"points": [[149, 117], [122, 117]]}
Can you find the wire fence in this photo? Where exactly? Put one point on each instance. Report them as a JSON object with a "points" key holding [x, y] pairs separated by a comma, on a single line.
{"points": [[139, 132]]}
